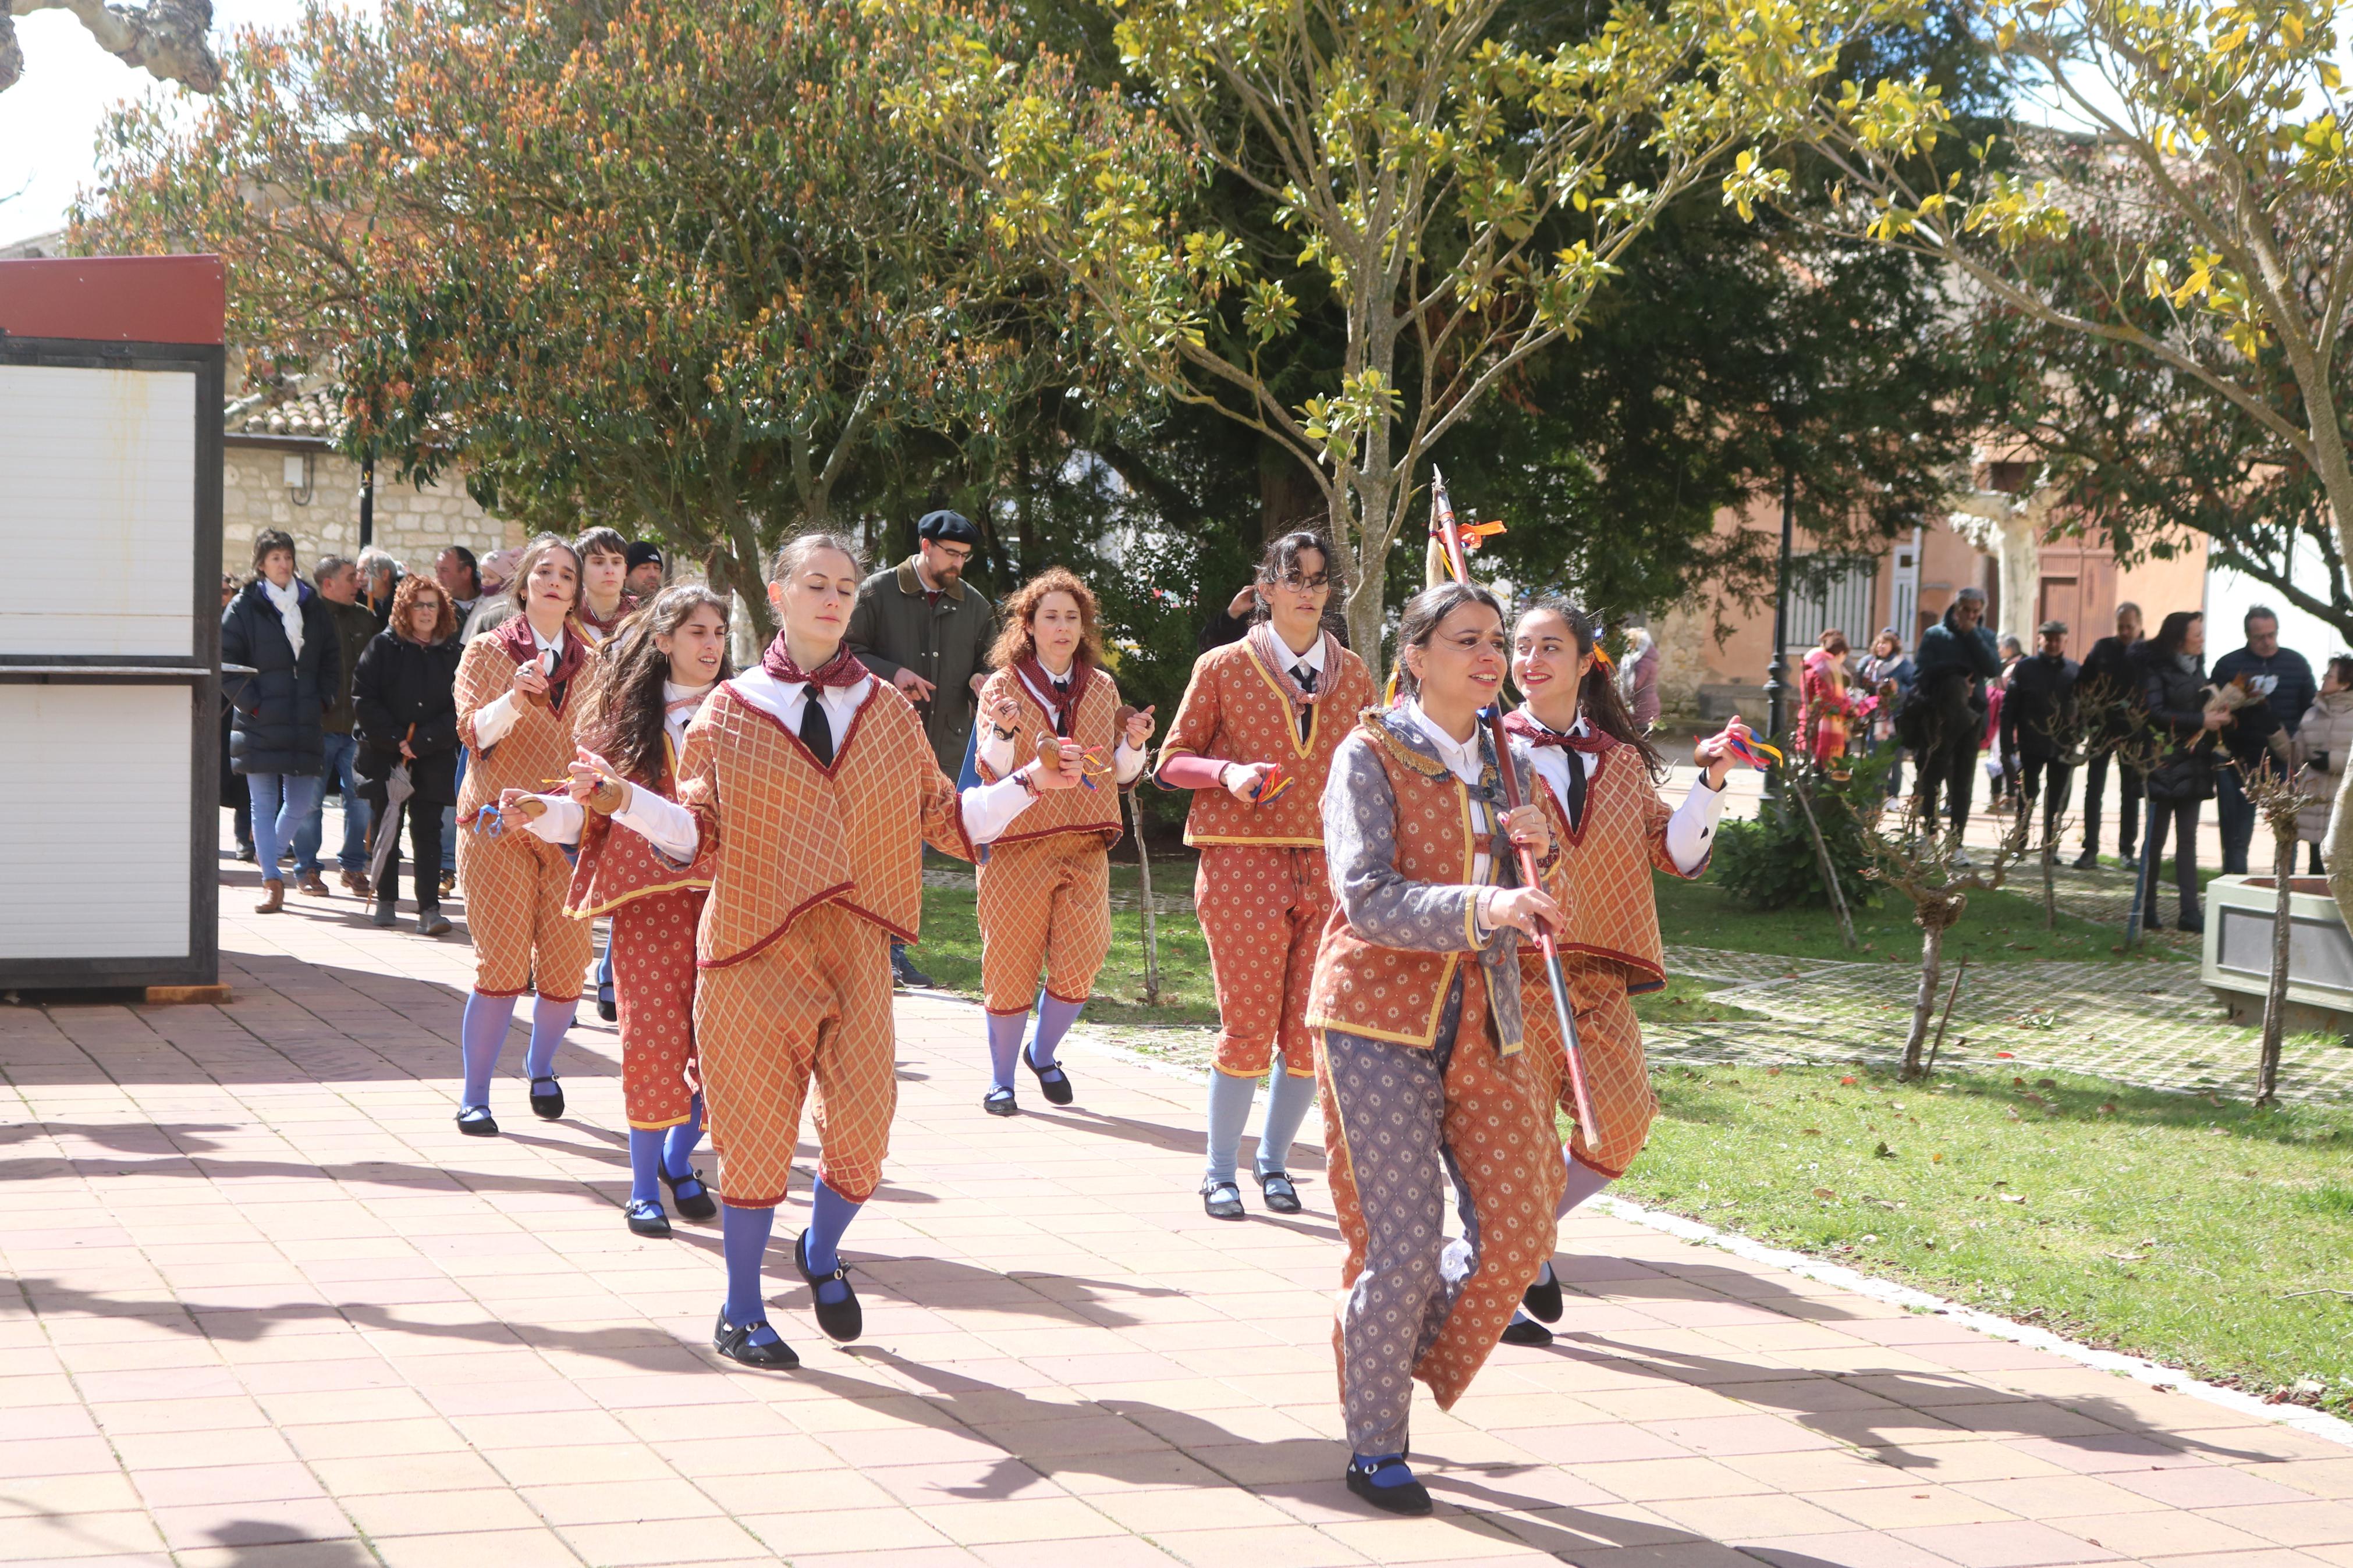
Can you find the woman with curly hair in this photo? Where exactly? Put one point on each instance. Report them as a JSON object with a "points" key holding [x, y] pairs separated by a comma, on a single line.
{"points": [[658, 667], [405, 712], [1045, 891]]}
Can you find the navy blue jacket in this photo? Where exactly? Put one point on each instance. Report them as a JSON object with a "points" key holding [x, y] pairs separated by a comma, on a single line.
{"points": [[2288, 701], [281, 708]]}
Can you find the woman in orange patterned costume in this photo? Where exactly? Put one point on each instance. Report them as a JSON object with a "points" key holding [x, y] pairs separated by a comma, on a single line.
{"points": [[1253, 739], [520, 689], [1416, 1006], [658, 669], [811, 789], [1045, 888], [1597, 767]]}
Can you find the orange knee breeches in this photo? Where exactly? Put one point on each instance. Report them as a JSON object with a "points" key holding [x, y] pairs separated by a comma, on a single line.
{"points": [[1609, 1043], [653, 985], [1045, 909], [1263, 912], [812, 1005], [514, 885]]}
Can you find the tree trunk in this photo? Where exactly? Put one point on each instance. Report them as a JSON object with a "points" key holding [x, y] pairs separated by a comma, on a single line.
{"points": [[1368, 586], [2338, 856], [2050, 882], [1924, 1004], [2275, 995]]}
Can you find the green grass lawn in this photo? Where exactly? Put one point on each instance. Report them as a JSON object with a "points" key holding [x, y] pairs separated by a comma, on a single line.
{"points": [[1999, 927], [2212, 1235]]}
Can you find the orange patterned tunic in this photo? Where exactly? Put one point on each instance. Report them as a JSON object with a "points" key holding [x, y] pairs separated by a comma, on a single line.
{"points": [[515, 884], [1235, 710]]}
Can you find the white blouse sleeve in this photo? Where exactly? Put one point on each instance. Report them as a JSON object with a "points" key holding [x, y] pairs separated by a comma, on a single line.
{"points": [[560, 823], [995, 752], [989, 809], [1129, 762], [492, 720], [664, 824], [1692, 830]]}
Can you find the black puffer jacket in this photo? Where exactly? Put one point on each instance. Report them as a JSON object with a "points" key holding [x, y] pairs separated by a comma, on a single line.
{"points": [[2174, 701], [282, 706], [399, 684]]}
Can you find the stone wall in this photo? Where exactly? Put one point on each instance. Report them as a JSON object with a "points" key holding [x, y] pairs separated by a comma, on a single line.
{"points": [[413, 524]]}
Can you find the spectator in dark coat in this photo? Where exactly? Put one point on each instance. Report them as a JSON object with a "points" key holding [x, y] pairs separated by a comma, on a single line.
{"points": [[925, 629], [281, 626], [1945, 720], [406, 699], [338, 582], [1887, 674], [2293, 690], [2172, 667], [2039, 723], [2107, 695]]}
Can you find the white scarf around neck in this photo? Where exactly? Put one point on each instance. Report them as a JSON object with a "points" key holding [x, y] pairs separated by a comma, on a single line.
{"points": [[288, 600]]}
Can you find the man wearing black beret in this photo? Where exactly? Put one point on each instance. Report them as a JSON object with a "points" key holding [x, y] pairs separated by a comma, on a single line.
{"points": [[920, 626]]}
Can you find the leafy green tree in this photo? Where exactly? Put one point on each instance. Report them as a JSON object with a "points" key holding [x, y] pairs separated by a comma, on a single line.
{"points": [[1420, 162], [2236, 280]]}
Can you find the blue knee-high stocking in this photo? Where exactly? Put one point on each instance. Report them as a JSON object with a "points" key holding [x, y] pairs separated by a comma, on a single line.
{"points": [[1287, 1100], [679, 1142], [744, 1241], [830, 1216], [549, 1020], [1230, 1109], [481, 1034], [1004, 1045], [645, 1163], [1055, 1017]]}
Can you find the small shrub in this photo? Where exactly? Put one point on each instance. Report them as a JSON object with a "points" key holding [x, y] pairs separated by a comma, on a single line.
{"points": [[1770, 864]]}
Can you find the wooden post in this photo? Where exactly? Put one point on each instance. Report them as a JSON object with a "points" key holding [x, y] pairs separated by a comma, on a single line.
{"points": [[1144, 886]]}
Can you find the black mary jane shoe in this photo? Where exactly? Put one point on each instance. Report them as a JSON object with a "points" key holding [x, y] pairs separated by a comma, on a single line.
{"points": [[1221, 1200], [842, 1321], [734, 1341], [1000, 1102], [1280, 1194], [646, 1218], [476, 1121], [1541, 1300], [549, 1106], [1052, 1082], [695, 1203], [1409, 1497], [607, 1008], [1527, 1332]]}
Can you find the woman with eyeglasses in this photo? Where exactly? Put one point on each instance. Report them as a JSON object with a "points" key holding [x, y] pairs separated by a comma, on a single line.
{"points": [[1045, 890], [1253, 739]]}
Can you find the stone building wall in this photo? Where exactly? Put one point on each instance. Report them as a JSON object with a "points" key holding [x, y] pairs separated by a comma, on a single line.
{"points": [[413, 525]]}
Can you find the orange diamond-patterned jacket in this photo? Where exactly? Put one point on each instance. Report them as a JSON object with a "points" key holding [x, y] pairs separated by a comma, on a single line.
{"points": [[532, 754], [614, 867], [1610, 913], [1235, 712], [1397, 833], [787, 836], [1095, 725]]}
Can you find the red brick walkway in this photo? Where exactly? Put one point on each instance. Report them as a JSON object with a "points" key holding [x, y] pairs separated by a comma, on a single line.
{"points": [[267, 1308]]}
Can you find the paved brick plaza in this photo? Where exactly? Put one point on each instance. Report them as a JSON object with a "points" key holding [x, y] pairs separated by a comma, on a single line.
{"points": [[270, 1309]]}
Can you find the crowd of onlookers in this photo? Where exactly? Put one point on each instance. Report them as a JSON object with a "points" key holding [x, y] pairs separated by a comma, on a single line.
{"points": [[2144, 710], [345, 683]]}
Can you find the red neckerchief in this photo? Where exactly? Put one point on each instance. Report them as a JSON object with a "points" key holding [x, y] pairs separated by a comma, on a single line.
{"points": [[841, 670], [1063, 710], [604, 628], [1525, 725], [1279, 659], [516, 640]]}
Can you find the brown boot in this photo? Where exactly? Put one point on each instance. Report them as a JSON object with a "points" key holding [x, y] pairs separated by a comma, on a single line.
{"points": [[273, 897], [312, 883], [356, 883]]}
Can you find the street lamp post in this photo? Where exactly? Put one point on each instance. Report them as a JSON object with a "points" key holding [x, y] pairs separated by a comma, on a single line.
{"points": [[1777, 675]]}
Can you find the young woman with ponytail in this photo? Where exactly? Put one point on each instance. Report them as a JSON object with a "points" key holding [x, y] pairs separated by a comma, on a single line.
{"points": [[658, 667], [1593, 761]]}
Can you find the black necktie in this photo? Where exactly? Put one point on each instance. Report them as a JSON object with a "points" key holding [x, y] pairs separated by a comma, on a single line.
{"points": [[1306, 679], [816, 733], [1575, 802], [1062, 706]]}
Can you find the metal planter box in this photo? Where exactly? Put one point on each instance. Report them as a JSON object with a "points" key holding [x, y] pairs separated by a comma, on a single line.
{"points": [[2237, 964]]}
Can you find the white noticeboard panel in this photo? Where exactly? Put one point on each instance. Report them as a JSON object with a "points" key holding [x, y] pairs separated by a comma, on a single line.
{"points": [[95, 832], [98, 486]]}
